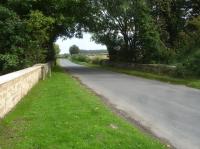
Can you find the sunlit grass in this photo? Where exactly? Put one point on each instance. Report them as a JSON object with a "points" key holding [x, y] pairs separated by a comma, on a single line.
{"points": [[60, 113]]}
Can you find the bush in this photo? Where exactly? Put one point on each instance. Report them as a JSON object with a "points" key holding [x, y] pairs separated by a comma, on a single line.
{"points": [[181, 71], [190, 67], [80, 58], [8, 62], [96, 60], [193, 63]]}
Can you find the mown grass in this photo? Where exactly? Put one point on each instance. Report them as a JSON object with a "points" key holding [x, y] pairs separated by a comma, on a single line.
{"points": [[190, 82], [60, 113]]}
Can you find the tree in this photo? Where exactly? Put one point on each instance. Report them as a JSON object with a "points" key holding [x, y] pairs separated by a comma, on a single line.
{"points": [[139, 31], [23, 42], [170, 17], [127, 29], [74, 50], [189, 38], [56, 49], [38, 27], [29, 29], [69, 17], [11, 37]]}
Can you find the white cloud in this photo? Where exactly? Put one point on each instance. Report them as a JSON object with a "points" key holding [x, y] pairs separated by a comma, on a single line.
{"points": [[85, 43]]}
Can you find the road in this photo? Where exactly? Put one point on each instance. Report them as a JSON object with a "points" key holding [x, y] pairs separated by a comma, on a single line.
{"points": [[171, 112]]}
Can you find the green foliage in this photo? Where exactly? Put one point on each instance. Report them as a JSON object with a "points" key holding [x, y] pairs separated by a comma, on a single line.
{"points": [[23, 42], [169, 16], [128, 31], [28, 29], [190, 66], [193, 64], [151, 47], [189, 41], [97, 60], [11, 37], [38, 27], [189, 48], [8, 62], [147, 31], [140, 31], [56, 49], [9, 26], [74, 50], [80, 58]]}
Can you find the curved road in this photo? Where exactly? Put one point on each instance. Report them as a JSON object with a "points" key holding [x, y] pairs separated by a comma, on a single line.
{"points": [[171, 112]]}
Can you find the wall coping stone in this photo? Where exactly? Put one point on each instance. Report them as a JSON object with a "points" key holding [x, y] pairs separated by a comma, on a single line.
{"points": [[14, 75]]}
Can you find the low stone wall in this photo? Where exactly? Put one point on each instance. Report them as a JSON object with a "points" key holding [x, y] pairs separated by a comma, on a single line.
{"points": [[154, 68], [14, 86]]}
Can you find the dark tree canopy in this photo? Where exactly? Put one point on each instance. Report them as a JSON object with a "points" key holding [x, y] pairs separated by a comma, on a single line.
{"points": [[28, 29], [139, 31]]}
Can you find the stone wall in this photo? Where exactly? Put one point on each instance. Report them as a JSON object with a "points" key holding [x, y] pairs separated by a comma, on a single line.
{"points": [[14, 86], [152, 68]]}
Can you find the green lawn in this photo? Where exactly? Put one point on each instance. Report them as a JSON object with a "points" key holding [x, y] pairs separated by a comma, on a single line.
{"points": [[60, 113], [190, 82]]}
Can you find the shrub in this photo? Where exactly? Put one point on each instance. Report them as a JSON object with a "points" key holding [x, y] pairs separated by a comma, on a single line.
{"points": [[80, 58], [190, 67], [193, 63], [181, 71], [96, 60], [8, 62]]}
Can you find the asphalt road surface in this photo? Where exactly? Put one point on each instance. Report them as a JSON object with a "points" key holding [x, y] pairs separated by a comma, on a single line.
{"points": [[171, 112]]}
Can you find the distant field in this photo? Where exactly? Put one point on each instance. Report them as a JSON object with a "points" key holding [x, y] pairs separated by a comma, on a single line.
{"points": [[100, 56], [95, 52]]}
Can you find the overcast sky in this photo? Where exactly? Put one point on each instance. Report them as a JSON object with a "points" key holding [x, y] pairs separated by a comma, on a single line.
{"points": [[85, 43]]}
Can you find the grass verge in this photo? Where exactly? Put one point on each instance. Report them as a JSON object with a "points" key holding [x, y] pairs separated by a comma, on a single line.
{"points": [[190, 82], [60, 113]]}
